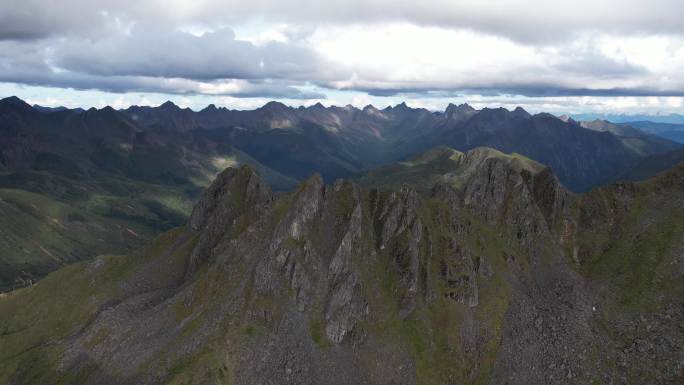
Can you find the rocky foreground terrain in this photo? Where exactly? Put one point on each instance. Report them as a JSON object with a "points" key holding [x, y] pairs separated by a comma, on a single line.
{"points": [[451, 268]]}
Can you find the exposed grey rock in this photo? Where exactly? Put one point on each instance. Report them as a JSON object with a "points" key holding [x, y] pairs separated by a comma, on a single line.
{"points": [[236, 195]]}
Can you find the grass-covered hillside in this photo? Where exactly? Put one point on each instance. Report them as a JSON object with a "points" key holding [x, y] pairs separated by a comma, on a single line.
{"points": [[79, 183], [628, 243]]}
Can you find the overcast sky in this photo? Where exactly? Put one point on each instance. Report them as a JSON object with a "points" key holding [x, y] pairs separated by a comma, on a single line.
{"points": [[605, 56]]}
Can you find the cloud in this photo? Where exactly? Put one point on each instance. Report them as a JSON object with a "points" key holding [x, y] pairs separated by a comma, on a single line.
{"points": [[37, 19], [461, 61], [174, 63], [531, 21], [305, 49], [125, 84], [157, 52]]}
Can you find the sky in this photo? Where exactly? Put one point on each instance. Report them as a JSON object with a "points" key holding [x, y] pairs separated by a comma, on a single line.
{"points": [[581, 56]]}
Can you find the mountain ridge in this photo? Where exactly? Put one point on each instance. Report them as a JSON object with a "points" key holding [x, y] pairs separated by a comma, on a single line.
{"points": [[461, 282], [395, 133], [147, 165]]}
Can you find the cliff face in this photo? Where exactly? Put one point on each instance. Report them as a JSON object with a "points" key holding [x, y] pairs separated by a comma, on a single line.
{"points": [[480, 278]]}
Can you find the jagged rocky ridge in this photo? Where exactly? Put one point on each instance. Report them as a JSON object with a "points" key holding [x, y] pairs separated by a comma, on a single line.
{"points": [[137, 172], [492, 274]]}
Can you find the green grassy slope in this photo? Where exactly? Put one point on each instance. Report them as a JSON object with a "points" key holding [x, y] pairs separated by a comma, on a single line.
{"points": [[39, 234], [629, 242], [628, 235], [654, 164], [53, 218]]}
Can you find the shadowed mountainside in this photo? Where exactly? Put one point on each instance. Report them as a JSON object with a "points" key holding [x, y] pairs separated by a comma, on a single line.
{"points": [[340, 141]]}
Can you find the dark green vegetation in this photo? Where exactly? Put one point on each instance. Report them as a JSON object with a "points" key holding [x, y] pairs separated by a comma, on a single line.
{"points": [[654, 164], [39, 234], [629, 245], [481, 269]]}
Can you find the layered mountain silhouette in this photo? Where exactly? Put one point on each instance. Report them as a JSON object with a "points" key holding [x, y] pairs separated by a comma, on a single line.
{"points": [[672, 131], [106, 180], [294, 142], [480, 267], [337, 141]]}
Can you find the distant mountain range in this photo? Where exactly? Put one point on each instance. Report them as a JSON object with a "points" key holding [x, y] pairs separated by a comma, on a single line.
{"points": [[627, 118], [138, 171], [671, 131], [340, 141]]}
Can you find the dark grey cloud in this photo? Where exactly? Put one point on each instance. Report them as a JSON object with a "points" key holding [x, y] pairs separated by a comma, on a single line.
{"points": [[175, 54], [530, 90], [539, 21], [165, 61], [29, 64], [126, 84], [36, 19]]}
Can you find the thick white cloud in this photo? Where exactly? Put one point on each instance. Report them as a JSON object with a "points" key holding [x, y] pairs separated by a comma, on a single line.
{"points": [[406, 58]]}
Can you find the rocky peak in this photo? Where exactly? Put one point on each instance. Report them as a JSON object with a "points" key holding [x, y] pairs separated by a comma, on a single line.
{"points": [[274, 106], [484, 178], [169, 106], [460, 113], [497, 175], [372, 111], [233, 188], [370, 108], [401, 107], [236, 198], [210, 108], [521, 112], [477, 160], [15, 102], [569, 120], [457, 109]]}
